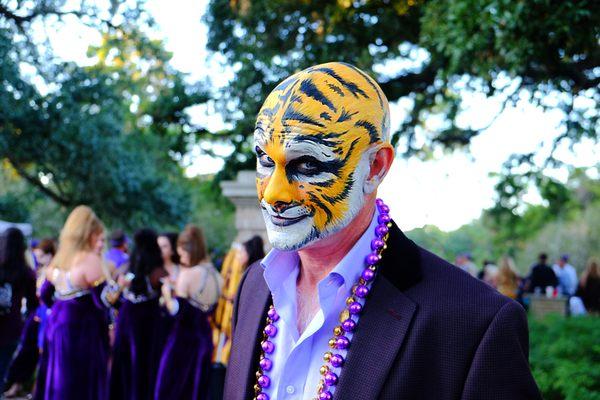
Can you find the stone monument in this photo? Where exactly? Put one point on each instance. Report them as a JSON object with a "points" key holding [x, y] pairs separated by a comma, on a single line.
{"points": [[248, 217]]}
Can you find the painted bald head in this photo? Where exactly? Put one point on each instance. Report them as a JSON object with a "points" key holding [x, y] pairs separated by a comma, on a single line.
{"points": [[315, 137]]}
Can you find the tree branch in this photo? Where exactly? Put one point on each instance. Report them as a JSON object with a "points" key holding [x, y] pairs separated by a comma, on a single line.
{"points": [[35, 182]]}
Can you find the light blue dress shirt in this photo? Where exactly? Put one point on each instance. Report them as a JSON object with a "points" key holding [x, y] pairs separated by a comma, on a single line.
{"points": [[298, 357]]}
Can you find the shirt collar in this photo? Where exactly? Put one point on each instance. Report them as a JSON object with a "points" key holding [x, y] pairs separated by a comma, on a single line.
{"points": [[279, 264]]}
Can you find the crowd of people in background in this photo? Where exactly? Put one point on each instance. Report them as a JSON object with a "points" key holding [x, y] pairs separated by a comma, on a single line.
{"points": [[132, 322], [559, 279]]}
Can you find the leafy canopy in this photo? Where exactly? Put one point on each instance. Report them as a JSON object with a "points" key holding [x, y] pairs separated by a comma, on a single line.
{"points": [[427, 54]]}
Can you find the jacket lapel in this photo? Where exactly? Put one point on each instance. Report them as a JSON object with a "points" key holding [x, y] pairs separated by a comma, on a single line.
{"points": [[243, 361], [383, 324]]}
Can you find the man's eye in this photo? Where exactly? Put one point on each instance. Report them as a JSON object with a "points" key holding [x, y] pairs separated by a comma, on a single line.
{"points": [[265, 160], [307, 168]]}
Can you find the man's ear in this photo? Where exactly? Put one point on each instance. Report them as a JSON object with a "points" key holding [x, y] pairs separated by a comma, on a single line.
{"points": [[380, 162]]}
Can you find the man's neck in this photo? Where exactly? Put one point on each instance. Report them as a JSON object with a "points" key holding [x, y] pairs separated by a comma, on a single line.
{"points": [[317, 260]]}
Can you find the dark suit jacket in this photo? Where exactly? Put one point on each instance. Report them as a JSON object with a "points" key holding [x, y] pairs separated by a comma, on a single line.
{"points": [[428, 331]]}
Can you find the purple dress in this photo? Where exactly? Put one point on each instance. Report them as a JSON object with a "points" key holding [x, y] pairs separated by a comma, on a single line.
{"points": [[11, 319], [185, 363], [74, 361], [139, 341], [27, 356]]}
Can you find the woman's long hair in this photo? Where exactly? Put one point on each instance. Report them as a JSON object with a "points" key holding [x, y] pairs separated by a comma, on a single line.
{"points": [[255, 249], [192, 241], [76, 236], [145, 258], [13, 265], [592, 271]]}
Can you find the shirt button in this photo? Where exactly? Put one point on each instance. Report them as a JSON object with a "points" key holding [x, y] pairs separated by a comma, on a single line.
{"points": [[290, 389]]}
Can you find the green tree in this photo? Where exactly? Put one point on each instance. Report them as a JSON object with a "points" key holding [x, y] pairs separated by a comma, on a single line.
{"points": [[108, 135], [427, 53]]}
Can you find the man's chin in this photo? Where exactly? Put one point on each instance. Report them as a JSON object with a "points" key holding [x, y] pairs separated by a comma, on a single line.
{"points": [[291, 237]]}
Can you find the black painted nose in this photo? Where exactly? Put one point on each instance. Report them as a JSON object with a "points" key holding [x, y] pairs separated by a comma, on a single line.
{"points": [[281, 206]]}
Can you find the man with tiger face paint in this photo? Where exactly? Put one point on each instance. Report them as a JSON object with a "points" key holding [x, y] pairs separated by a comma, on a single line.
{"points": [[345, 306], [316, 136]]}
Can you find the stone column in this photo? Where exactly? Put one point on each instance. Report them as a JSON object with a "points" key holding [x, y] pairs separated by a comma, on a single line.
{"points": [[248, 217]]}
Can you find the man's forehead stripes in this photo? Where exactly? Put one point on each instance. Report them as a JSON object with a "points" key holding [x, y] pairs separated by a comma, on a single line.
{"points": [[310, 89], [289, 103], [350, 86]]}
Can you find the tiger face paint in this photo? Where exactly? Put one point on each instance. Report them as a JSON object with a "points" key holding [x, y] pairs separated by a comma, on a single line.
{"points": [[315, 137]]}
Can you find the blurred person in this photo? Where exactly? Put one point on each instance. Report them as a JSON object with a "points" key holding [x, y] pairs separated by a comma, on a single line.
{"points": [[189, 346], [117, 254], [465, 262], [489, 273], [44, 250], [507, 281], [74, 361], [24, 364], [589, 286], [251, 251], [167, 242], [140, 334], [541, 276], [17, 282], [566, 275]]}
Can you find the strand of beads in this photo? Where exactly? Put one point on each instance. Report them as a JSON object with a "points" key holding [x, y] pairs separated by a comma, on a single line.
{"points": [[348, 319], [265, 364], [349, 316]]}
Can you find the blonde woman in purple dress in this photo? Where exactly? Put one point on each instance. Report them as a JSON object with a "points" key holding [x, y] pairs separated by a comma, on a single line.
{"points": [[74, 362]]}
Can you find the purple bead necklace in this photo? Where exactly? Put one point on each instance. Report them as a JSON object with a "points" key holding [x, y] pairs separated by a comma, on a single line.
{"points": [[348, 320]]}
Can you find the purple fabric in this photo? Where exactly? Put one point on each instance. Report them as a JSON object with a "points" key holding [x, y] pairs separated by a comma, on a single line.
{"points": [[11, 320], [28, 353], [428, 331], [185, 363], [74, 362], [140, 337], [117, 257]]}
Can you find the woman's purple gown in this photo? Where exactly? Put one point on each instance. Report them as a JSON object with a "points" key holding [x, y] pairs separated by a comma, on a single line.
{"points": [[142, 329], [74, 361], [185, 364]]}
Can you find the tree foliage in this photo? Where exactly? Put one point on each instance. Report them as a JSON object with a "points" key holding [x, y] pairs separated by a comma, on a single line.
{"points": [[107, 135], [425, 53]]}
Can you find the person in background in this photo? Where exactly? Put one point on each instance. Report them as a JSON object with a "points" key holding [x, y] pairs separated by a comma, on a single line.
{"points": [[251, 251], [118, 255], [74, 362], [24, 364], [17, 282], [43, 252], [507, 281], [465, 262], [139, 338], [489, 273], [189, 346], [566, 275], [168, 247], [589, 286], [541, 276]]}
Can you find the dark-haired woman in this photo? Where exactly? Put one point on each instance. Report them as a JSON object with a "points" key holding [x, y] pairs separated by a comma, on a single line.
{"points": [[24, 364], [17, 281], [189, 346], [168, 247], [140, 336]]}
